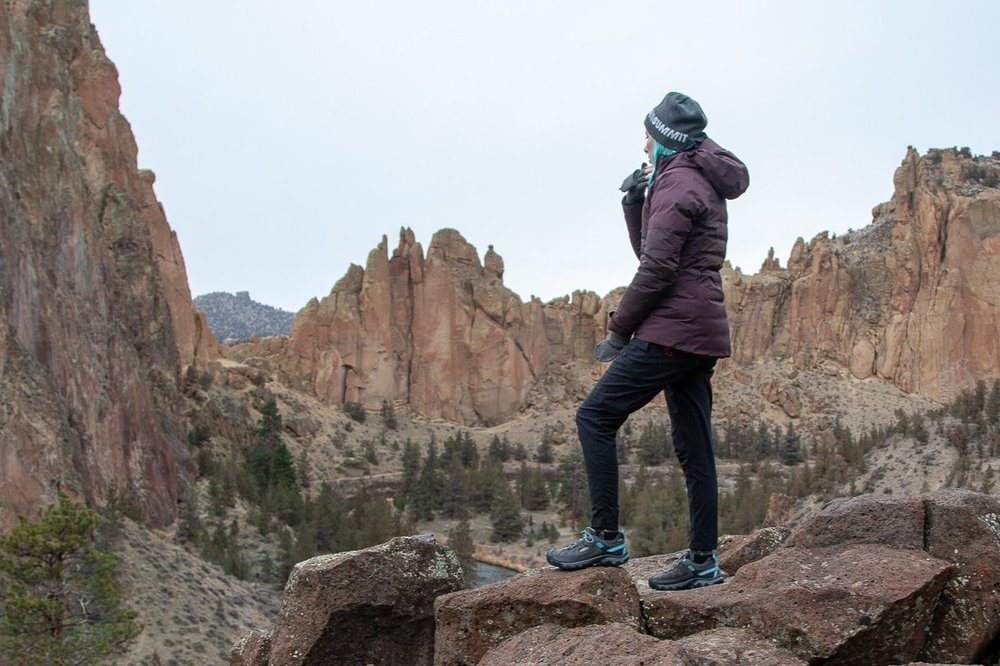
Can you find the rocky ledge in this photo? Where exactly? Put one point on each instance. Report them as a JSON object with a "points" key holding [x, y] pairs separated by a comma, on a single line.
{"points": [[870, 580]]}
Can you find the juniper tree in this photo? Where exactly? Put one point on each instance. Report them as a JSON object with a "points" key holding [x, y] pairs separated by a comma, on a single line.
{"points": [[455, 490], [388, 413], [268, 460], [532, 488], [487, 482], [460, 540], [59, 604], [545, 453], [505, 516], [520, 453], [572, 492], [369, 520], [653, 444], [499, 449], [427, 497], [411, 473], [791, 447], [330, 511], [189, 525]]}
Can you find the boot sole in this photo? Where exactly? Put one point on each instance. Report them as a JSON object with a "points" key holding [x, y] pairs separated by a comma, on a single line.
{"points": [[687, 584], [602, 561]]}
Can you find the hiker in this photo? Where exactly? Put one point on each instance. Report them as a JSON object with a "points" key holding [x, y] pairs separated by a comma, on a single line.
{"points": [[665, 336]]}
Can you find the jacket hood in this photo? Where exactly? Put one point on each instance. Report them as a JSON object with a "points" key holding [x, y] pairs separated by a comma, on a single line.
{"points": [[723, 170]]}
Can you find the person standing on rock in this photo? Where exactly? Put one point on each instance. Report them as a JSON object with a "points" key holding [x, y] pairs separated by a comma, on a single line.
{"points": [[665, 336]]}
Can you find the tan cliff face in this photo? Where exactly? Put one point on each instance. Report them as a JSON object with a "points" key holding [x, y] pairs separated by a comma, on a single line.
{"points": [[440, 333], [96, 320], [913, 299]]}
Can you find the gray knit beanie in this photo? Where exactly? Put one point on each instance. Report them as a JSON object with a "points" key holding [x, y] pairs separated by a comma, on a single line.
{"points": [[677, 122]]}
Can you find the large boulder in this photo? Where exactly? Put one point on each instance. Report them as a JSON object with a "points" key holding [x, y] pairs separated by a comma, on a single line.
{"points": [[367, 606], [958, 526], [252, 650], [622, 645], [734, 552], [964, 528], [843, 605], [877, 519], [469, 623]]}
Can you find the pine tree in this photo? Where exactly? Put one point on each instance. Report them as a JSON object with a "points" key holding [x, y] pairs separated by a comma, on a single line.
{"points": [[532, 490], [659, 524], [572, 492], [460, 540], [370, 520], [411, 471], [545, 453], [455, 490], [468, 452], [269, 460], [652, 444], [232, 560], [303, 469], [499, 449], [791, 447], [520, 453], [389, 415], [286, 556], [428, 495], [487, 482], [371, 455], [992, 406], [505, 517], [330, 511], [305, 541], [58, 600], [189, 525], [646, 534]]}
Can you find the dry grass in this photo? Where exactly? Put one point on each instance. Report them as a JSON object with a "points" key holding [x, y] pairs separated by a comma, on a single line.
{"points": [[191, 610]]}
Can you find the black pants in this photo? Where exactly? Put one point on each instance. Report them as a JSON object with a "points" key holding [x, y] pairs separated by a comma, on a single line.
{"points": [[641, 371]]}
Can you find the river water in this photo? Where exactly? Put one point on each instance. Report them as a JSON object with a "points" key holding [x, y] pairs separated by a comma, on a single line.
{"points": [[487, 573]]}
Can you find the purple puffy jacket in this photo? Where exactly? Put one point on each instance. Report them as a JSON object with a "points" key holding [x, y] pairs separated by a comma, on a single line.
{"points": [[679, 234]]}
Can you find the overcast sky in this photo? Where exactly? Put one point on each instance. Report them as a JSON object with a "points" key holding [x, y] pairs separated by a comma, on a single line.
{"points": [[289, 137]]}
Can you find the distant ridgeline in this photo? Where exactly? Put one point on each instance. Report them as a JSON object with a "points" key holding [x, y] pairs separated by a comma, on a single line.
{"points": [[236, 318]]}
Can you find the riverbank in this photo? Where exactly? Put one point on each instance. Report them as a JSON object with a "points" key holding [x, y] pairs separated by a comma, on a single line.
{"points": [[515, 555]]}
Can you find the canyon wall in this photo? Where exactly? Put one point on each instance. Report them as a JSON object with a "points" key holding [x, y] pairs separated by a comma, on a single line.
{"points": [[96, 321]]}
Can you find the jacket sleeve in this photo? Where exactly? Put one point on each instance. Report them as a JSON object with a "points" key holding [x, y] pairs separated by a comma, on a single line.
{"points": [[633, 220], [671, 217]]}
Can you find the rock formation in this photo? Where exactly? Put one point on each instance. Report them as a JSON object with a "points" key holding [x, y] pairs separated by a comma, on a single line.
{"points": [[372, 606], [867, 580], [913, 299], [469, 623], [622, 645], [440, 333], [96, 321]]}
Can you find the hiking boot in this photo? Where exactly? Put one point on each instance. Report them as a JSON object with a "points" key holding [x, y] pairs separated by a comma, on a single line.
{"points": [[589, 550], [687, 574]]}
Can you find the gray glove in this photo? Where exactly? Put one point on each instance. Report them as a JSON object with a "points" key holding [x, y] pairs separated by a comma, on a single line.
{"points": [[634, 186], [609, 348]]}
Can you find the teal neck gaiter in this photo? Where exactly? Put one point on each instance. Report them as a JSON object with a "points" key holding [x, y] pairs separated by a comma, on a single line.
{"points": [[658, 152]]}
